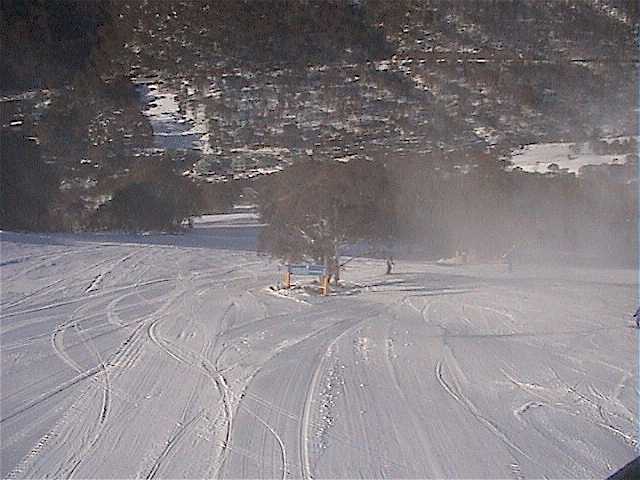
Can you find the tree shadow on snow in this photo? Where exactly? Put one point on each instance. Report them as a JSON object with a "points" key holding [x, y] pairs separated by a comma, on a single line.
{"points": [[242, 238]]}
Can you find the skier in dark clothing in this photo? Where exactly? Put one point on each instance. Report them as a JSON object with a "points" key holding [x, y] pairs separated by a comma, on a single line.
{"points": [[389, 265], [508, 257], [637, 317]]}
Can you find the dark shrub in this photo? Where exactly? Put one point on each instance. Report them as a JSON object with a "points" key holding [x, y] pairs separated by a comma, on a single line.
{"points": [[138, 207]]}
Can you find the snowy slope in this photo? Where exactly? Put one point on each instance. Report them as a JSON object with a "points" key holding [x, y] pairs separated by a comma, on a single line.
{"points": [[166, 357]]}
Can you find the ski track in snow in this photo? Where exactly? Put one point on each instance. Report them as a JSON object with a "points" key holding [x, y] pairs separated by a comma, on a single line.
{"points": [[174, 359]]}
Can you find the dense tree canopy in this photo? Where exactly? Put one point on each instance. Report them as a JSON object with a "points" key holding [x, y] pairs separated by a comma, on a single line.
{"points": [[28, 185], [423, 99], [313, 210]]}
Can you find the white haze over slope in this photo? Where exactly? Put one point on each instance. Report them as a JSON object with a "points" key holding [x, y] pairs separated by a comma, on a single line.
{"points": [[166, 357]]}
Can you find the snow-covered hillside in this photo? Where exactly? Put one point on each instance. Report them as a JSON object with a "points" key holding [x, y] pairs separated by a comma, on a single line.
{"points": [[168, 357]]}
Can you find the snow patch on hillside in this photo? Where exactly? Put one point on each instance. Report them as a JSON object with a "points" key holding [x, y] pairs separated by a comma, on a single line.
{"points": [[539, 157]]}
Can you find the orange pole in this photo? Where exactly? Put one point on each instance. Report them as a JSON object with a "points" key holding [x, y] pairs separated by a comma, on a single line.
{"points": [[325, 284]]}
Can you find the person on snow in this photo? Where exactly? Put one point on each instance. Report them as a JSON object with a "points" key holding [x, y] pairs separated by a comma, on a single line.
{"points": [[637, 317], [390, 265], [508, 257]]}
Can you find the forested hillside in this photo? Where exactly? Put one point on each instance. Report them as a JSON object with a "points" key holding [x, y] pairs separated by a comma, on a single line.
{"points": [[395, 78], [431, 89]]}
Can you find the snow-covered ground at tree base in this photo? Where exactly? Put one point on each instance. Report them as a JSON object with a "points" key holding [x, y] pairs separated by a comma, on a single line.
{"points": [[168, 356]]}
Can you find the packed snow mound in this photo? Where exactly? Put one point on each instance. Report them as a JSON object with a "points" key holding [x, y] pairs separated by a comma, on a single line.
{"points": [[228, 219], [453, 261]]}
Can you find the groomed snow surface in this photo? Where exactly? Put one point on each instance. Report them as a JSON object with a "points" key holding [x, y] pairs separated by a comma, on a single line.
{"points": [[167, 356]]}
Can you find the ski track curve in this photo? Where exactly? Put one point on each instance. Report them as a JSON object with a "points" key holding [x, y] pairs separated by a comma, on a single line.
{"points": [[122, 358], [168, 323]]}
